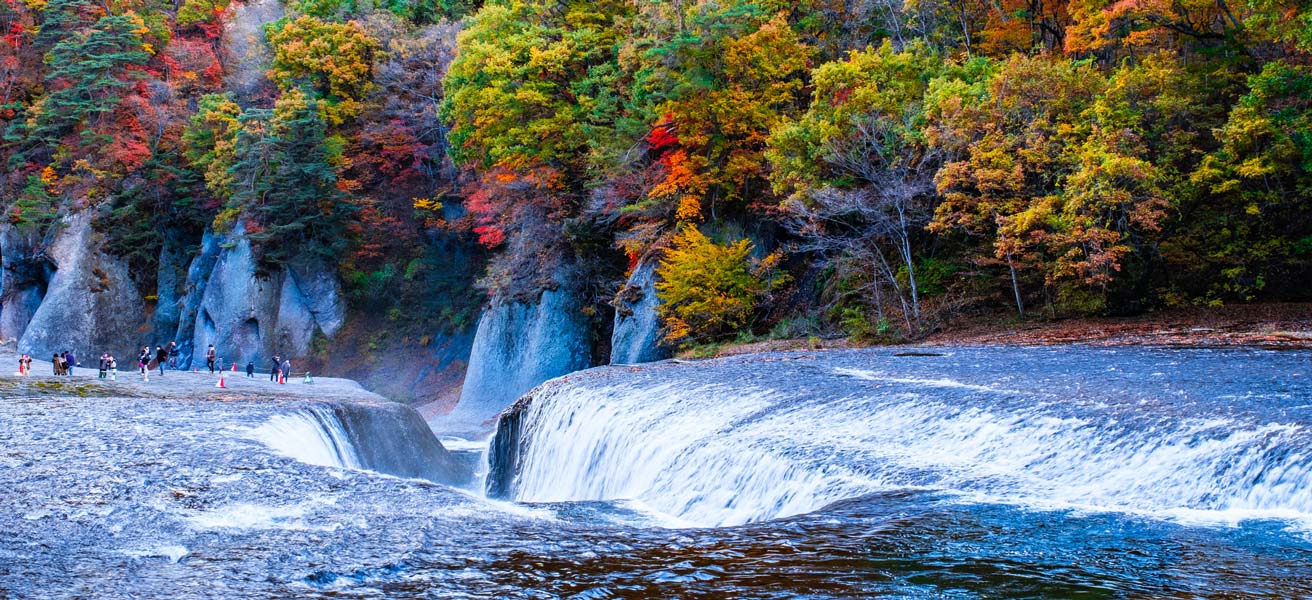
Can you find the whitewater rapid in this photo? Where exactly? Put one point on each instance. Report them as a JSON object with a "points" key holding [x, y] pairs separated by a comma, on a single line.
{"points": [[1214, 437], [312, 435], [855, 475]]}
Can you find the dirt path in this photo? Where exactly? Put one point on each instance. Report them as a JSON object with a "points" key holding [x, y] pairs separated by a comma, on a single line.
{"points": [[1286, 326], [1278, 326]]}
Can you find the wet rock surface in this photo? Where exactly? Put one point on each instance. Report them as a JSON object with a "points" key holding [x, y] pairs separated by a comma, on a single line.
{"points": [[111, 493], [518, 346]]}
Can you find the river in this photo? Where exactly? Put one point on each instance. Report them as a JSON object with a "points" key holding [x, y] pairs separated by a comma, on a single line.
{"points": [[1066, 472]]}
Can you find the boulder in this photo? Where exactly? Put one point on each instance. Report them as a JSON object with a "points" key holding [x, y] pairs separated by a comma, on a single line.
{"points": [[91, 304], [637, 335]]}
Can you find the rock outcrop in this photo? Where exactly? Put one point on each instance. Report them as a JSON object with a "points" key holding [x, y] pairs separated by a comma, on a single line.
{"points": [[428, 375], [636, 337], [516, 347], [90, 304], [252, 315], [26, 274], [171, 277], [394, 439], [247, 56], [198, 276]]}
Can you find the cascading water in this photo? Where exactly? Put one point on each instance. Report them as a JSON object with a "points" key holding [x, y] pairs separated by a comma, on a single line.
{"points": [[312, 435], [385, 437], [1181, 435], [980, 473]]}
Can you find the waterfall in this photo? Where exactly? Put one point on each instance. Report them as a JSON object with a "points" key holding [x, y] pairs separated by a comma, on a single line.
{"points": [[727, 443], [313, 435], [382, 437]]}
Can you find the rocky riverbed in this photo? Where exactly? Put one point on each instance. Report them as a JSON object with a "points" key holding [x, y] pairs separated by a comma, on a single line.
{"points": [[942, 473]]}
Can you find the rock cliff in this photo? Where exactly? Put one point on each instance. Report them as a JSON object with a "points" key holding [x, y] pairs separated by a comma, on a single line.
{"points": [[516, 347], [23, 282], [90, 304], [251, 315], [636, 337]]}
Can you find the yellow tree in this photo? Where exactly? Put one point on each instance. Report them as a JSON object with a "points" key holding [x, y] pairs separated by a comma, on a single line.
{"points": [[333, 59]]}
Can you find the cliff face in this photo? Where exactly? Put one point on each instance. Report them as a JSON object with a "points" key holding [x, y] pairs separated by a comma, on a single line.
{"points": [[70, 294], [516, 347], [636, 337], [247, 55], [89, 303], [23, 283], [251, 316]]}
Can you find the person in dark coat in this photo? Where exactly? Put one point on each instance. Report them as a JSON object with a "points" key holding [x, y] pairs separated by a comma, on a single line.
{"points": [[210, 356], [275, 370], [143, 359], [70, 361], [173, 355], [250, 369], [161, 356]]}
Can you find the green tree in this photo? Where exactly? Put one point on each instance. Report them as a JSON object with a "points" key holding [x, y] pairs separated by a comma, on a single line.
{"points": [[210, 141], [89, 75], [335, 60], [859, 172], [718, 77], [285, 182], [1251, 227]]}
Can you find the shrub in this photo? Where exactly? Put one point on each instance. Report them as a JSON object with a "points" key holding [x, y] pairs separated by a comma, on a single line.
{"points": [[709, 291]]}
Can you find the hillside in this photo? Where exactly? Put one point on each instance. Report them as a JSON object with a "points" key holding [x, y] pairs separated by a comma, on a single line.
{"points": [[454, 199]]}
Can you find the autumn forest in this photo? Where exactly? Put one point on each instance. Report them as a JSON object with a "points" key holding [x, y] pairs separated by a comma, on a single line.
{"points": [[871, 168]]}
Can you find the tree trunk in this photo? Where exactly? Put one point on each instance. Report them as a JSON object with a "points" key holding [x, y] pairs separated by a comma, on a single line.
{"points": [[905, 243], [1015, 287]]}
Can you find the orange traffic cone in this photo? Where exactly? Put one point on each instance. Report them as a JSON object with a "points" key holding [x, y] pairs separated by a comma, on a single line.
{"points": [[282, 379], [220, 383], [234, 367]]}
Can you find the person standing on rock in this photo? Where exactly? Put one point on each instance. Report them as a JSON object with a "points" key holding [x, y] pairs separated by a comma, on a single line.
{"points": [[286, 369], [275, 370], [210, 355], [24, 365], [70, 361], [113, 368], [57, 363], [161, 357], [143, 359], [250, 369], [173, 355], [104, 365]]}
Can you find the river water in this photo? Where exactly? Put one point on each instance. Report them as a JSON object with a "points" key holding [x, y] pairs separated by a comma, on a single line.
{"points": [[973, 473]]}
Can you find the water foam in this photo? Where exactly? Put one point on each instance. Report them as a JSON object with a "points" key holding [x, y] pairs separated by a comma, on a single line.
{"points": [[314, 436], [725, 454], [250, 516]]}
